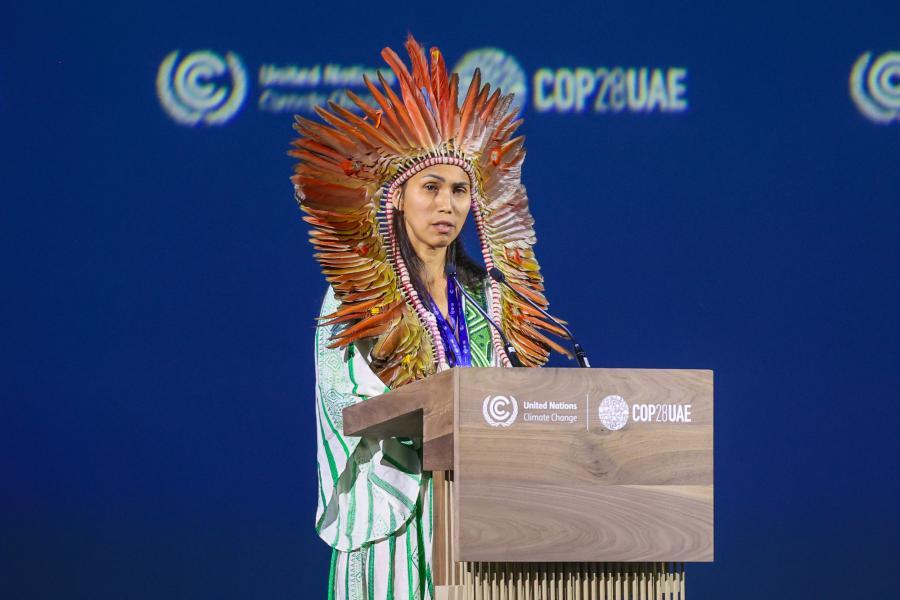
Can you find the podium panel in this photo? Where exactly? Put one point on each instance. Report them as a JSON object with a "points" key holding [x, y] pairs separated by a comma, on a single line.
{"points": [[584, 465]]}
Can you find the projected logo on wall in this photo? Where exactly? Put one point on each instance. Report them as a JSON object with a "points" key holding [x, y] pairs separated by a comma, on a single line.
{"points": [[611, 90], [497, 68], [206, 88], [875, 87], [202, 87], [301, 88]]}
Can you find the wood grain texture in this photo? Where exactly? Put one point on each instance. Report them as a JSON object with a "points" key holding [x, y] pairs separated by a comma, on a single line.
{"points": [[567, 491], [421, 409], [440, 546], [578, 491], [551, 523]]}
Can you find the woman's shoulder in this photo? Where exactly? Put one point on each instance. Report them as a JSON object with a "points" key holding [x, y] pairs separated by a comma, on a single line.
{"points": [[330, 303]]}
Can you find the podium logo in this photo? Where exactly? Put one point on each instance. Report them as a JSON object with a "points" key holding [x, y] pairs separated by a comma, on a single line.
{"points": [[875, 89], [613, 412], [202, 87], [500, 411]]}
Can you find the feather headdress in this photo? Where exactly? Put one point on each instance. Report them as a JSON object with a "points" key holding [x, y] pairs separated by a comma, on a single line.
{"points": [[350, 167]]}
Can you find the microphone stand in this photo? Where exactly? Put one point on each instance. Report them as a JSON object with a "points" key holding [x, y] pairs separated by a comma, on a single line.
{"points": [[498, 276]]}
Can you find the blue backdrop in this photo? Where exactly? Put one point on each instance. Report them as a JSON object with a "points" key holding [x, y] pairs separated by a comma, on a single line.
{"points": [[156, 425]]}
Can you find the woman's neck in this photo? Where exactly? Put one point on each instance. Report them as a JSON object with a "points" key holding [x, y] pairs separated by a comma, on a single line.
{"points": [[433, 260], [433, 274]]}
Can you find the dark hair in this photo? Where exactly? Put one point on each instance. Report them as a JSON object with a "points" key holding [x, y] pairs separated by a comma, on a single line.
{"points": [[470, 273]]}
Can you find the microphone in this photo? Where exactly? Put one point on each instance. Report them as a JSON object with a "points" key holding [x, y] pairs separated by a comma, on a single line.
{"points": [[450, 271], [498, 276]]}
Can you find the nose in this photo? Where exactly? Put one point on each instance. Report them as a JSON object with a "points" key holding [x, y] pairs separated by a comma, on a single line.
{"points": [[445, 201]]}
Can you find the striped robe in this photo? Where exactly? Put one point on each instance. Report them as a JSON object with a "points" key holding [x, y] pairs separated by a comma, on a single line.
{"points": [[374, 506]]}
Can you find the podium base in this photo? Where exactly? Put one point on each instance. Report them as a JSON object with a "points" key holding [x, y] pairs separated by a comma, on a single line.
{"points": [[450, 592], [565, 581]]}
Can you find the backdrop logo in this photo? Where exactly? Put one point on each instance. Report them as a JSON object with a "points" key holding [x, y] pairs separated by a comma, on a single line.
{"points": [[875, 89], [611, 90], [301, 88], [613, 412], [202, 87], [498, 68], [500, 411]]}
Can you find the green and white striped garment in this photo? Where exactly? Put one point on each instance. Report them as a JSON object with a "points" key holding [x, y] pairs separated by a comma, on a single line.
{"points": [[374, 499]]}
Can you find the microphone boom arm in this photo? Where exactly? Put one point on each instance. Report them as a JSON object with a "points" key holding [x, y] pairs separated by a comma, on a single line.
{"points": [[580, 354]]}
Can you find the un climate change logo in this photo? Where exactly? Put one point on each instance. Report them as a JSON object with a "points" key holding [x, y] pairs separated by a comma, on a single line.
{"points": [[877, 93], [500, 411], [193, 90], [497, 68], [613, 412]]}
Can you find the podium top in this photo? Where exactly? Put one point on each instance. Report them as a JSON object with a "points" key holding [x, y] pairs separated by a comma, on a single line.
{"points": [[425, 409]]}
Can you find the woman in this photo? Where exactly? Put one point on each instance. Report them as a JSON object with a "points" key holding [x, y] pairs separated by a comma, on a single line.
{"points": [[387, 195]]}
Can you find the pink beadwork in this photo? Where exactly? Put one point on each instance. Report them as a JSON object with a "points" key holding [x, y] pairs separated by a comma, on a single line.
{"points": [[494, 300], [425, 317]]}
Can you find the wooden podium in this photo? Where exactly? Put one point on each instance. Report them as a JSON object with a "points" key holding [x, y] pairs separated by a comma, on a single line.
{"points": [[559, 483]]}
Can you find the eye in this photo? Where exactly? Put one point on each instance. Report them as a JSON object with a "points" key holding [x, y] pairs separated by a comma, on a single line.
{"points": [[431, 187], [460, 189]]}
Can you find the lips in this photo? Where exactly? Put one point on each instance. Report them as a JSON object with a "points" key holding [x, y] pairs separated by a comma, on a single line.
{"points": [[443, 226]]}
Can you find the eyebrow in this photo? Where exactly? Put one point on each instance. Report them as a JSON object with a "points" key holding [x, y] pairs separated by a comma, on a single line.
{"points": [[442, 180]]}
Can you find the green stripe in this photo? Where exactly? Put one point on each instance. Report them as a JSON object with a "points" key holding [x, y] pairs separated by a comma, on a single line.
{"points": [[428, 579], [370, 567], [397, 464], [337, 528], [347, 578], [352, 518], [392, 545], [337, 434], [431, 508], [331, 465], [371, 512], [324, 502], [420, 549], [430, 524], [392, 491], [352, 350], [321, 489], [334, 473], [479, 357], [410, 592], [430, 534], [331, 574]]}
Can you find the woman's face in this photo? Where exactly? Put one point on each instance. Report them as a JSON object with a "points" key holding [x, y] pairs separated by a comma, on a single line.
{"points": [[435, 203]]}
